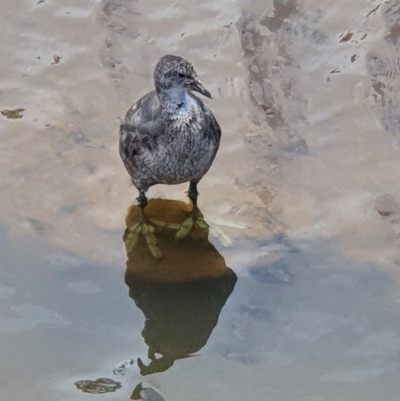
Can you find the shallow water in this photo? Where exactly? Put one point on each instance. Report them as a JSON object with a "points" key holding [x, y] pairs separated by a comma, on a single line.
{"points": [[292, 293]]}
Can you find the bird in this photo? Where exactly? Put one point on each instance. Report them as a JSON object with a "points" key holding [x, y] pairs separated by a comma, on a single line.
{"points": [[170, 136]]}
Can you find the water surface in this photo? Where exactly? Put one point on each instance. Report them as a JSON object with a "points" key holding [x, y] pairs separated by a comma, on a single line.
{"points": [[296, 283]]}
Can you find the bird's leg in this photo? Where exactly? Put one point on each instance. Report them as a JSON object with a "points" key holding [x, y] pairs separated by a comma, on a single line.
{"points": [[143, 227], [194, 215], [142, 199], [192, 193]]}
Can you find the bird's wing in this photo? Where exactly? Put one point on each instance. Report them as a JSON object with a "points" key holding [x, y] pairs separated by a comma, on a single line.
{"points": [[140, 129], [144, 110], [213, 124]]}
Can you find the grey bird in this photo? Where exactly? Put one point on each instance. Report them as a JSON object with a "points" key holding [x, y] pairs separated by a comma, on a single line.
{"points": [[170, 136]]}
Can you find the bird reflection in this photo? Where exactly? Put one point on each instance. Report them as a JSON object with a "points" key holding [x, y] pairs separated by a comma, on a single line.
{"points": [[182, 294], [179, 317]]}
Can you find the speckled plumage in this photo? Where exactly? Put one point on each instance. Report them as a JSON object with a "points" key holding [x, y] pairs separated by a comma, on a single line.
{"points": [[169, 136]]}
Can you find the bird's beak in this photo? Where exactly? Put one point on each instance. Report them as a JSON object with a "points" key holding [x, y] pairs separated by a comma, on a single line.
{"points": [[198, 87]]}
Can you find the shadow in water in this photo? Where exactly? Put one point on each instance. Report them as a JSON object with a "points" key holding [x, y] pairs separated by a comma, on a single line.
{"points": [[182, 294], [188, 256]]}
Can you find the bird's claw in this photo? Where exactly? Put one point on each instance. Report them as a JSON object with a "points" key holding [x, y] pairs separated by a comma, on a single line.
{"points": [[187, 225], [201, 223], [184, 229], [147, 230]]}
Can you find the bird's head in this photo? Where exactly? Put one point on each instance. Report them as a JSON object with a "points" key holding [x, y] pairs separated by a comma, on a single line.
{"points": [[176, 72]]}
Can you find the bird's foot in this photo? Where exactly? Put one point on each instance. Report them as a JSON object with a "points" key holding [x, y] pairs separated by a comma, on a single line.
{"points": [[146, 229], [194, 219]]}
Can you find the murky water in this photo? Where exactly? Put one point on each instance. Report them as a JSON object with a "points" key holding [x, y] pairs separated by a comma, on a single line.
{"points": [[292, 293]]}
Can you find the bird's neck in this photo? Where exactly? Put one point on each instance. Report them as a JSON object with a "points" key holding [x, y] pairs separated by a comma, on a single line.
{"points": [[176, 104]]}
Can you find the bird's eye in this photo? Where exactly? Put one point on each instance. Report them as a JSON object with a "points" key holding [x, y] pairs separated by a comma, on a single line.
{"points": [[180, 75]]}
